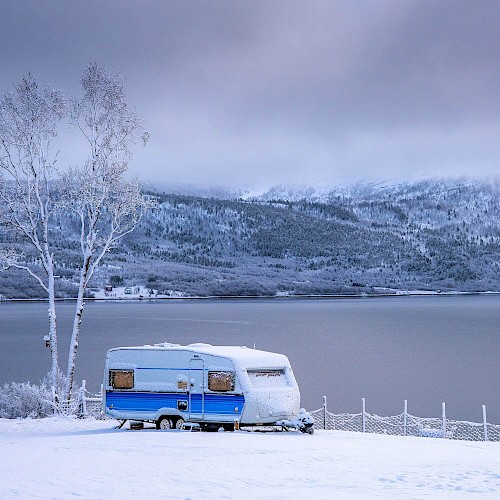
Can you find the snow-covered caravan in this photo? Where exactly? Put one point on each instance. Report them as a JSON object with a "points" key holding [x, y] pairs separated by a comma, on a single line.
{"points": [[214, 386]]}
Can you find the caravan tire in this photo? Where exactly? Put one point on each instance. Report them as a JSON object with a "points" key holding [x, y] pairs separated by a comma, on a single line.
{"points": [[164, 423], [179, 423]]}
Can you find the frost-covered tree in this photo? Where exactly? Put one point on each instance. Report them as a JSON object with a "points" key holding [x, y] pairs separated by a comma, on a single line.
{"points": [[29, 119], [105, 204]]}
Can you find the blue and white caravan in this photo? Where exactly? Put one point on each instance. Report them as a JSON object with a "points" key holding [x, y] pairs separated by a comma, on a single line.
{"points": [[212, 386]]}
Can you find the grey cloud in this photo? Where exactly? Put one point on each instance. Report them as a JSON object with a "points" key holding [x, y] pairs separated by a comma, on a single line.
{"points": [[239, 91]]}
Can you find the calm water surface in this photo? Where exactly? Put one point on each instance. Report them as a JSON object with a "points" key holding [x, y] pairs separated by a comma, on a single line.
{"points": [[423, 349]]}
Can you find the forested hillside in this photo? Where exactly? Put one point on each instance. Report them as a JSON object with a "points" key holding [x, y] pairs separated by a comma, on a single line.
{"points": [[432, 235]]}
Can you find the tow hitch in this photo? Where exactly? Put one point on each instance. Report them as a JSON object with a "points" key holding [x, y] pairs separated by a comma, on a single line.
{"points": [[302, 422]]}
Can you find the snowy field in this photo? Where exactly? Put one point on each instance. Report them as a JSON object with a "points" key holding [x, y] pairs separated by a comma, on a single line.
{"points": [[64, 458]]}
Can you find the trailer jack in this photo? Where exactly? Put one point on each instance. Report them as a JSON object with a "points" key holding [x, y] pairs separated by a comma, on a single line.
{"points": [[122, 423]]}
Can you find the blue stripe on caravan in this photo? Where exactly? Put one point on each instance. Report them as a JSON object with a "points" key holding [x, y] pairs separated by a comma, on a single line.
{"points": [[215, 404], [171, 369]]}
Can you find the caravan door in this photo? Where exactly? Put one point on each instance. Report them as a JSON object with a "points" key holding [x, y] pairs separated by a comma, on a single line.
{"points": [[196, 388]]}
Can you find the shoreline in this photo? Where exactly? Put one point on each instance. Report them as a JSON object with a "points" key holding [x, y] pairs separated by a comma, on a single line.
{"points": [[398, 293]]}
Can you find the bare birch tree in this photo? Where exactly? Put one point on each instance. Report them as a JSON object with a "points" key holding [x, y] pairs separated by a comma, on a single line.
{"points": [[29, 119], [106, 205]]}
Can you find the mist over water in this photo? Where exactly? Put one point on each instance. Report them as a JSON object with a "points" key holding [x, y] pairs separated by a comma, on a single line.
{"points": [[427, 350]]}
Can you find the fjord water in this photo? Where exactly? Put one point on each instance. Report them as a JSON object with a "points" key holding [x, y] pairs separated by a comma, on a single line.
{"points": [[426, 349]]}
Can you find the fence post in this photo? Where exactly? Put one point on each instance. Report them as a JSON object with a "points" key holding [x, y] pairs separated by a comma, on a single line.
{"points": [[54, 400], [363, 416], [444, 420], [485, 424], [82, 410], [324, 412], [405, 417]]}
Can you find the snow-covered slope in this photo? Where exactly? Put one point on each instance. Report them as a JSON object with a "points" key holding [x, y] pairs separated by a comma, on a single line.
{"points": [[430, 235], [62, 458]]}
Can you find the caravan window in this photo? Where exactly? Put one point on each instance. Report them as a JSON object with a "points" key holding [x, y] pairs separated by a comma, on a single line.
{"points": [[220, 381], [121, 379], [267, 378]]}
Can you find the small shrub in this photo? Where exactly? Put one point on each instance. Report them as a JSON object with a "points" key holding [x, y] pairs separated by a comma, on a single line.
{"points": [[25, 400]]}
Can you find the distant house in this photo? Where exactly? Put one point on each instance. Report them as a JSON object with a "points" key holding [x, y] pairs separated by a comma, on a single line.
{"points": [[128, 291], [108, 288]]}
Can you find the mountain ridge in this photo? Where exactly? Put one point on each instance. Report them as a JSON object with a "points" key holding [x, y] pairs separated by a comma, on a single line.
{"points": [[428, 235]]}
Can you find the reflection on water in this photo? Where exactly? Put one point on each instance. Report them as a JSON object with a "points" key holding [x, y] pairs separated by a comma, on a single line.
{"points": [[423, 349]]}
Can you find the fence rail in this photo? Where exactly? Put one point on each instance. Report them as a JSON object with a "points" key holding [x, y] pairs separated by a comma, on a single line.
{"points": [[406, 424], [89, 405]]}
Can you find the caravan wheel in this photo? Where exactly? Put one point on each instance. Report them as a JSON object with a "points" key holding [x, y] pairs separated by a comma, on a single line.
{"points": [[163, 423], [179, 423]]}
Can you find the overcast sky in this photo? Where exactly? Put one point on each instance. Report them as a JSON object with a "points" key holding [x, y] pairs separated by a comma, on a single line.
{"points": [[254, 93]]}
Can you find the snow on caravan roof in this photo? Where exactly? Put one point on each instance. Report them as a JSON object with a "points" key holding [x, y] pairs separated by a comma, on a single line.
{"points": [[240, 355]]}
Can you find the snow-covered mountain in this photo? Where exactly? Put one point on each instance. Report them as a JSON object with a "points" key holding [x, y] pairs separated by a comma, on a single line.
{"points": [[430, 235]]}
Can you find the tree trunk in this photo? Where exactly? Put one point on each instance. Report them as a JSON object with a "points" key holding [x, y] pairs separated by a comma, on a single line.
{"points": [[76, 327], [51, 293], [53, 333]]}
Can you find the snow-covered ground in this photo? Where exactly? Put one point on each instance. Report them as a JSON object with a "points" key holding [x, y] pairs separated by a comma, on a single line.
{"points": [[140, 292], [64, 458]]}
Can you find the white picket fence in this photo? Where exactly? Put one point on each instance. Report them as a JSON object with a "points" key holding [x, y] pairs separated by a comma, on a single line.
{"points": [[88, 404], [406, 424]]}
